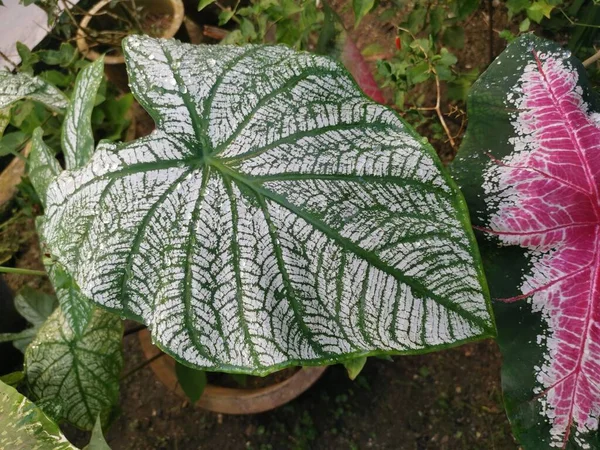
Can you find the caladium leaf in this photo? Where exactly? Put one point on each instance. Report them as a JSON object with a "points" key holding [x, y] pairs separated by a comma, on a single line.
{"points": [[19, 86], [276, 217], [77, 138], [530, 171], [42, 165], [35, 307], [25, 427], [76, 378], [76, 309]]}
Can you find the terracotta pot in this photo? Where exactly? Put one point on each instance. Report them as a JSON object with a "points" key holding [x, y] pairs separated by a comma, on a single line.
{"points": [[172, 7], [230, 400]]}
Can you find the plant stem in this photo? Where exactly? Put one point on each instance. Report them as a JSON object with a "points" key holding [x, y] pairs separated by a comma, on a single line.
{"points": [[592, 59], [134, 330], [16, 270], [142, 365]]}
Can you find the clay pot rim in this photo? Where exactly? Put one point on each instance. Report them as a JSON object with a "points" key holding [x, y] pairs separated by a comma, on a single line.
{"points": [[231, 400], [92, 55]]}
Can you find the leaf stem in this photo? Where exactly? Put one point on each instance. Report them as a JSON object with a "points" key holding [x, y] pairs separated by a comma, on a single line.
{"points": [[592, 59], [16, 270], [142, 365]]}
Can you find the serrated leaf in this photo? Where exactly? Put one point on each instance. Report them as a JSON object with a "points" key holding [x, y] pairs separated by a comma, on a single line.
{"points": [[276, 217], [192, 381], [355, 366], [76, 378], [529, 170], [19, 86], [77, 138], [25, 427], [41, 164]]}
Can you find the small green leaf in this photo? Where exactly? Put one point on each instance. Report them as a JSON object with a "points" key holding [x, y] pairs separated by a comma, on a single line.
{"points": [[418, 73], [355, 366], [540, 9], [524, 25], [361, 8], [192, 381], [11, 143], [76, 378], [97, 441], [436, 19], [204, 3], [77, 137], [13, 379], [225, 16], [63, 57], [23, 426]]}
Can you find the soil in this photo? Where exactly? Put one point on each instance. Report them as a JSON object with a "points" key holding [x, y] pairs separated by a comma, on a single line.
{"points": [[446, 400]]}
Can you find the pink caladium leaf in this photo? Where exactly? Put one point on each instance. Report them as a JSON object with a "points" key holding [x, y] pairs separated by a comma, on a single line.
{"points": [[530, 170]]}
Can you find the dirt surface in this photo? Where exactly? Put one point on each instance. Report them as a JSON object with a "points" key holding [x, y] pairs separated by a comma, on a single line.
{"points": [[446, 400]]}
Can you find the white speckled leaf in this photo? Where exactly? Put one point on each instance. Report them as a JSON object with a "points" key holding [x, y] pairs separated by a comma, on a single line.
{"points": [[76, 378], [77, 138], [19, 86], [23, 426], [35, 307], [275, 217], [42, 165]]}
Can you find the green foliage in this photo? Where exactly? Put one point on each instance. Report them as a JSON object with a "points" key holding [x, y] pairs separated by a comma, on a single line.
{"points": [[295, 23], [423, 50], [192, 381], [355, 366]]}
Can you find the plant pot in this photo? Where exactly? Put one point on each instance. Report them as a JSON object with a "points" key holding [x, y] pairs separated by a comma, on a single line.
{"points": [[231, 400], [172, 7]]}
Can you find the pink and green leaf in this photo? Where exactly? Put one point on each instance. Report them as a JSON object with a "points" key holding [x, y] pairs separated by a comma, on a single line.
{"points": [[530, 170]]}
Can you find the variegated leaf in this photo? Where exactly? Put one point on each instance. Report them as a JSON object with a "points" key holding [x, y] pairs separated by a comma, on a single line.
{"points": [[15, 87], [530, 170], [35, 307], [23, 426], [41, 164], [72, 377], [275, 217], [77, 138]]}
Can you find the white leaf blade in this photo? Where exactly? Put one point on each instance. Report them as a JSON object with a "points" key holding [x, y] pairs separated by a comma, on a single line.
{"points": [[77, 137], [42, 165], [305, 255], [19, 86]]}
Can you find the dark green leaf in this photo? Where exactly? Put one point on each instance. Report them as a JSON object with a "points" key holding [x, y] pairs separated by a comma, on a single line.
{"points": [[361, 8], [454, 37], [192, 381], [204, 3]]}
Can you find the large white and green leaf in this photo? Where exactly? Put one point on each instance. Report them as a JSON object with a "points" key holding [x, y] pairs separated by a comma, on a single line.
{"points": [[23, 426], [19, 86], [76, 377], [275, 217]]}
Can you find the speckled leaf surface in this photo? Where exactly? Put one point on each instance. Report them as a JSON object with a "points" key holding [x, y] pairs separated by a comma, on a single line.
{"points": [[76, 378], [77, 138], [275, 217], [15, 87], [529, 169], [42, 166], [35, 307], [23, 426]]}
